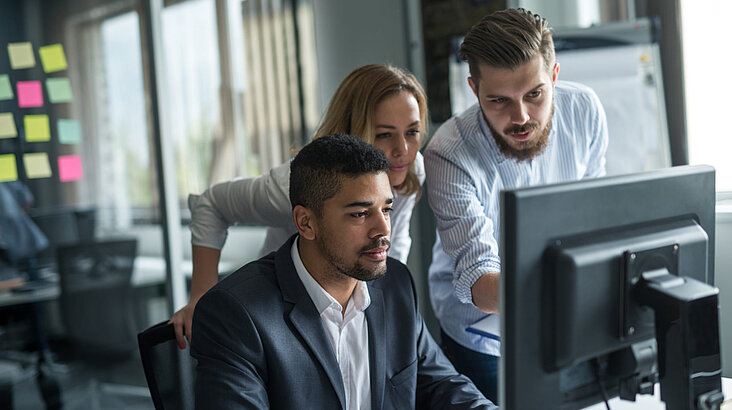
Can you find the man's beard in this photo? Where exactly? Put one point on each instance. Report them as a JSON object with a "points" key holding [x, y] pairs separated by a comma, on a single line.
{"points": [[527, 150], [357, 270]]}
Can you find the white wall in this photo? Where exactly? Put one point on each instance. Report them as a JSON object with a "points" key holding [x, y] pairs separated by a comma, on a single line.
{"points": [[352, 33]]}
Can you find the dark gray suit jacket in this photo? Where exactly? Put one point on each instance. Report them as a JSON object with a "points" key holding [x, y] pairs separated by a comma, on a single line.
{"points": [[260, 343]]}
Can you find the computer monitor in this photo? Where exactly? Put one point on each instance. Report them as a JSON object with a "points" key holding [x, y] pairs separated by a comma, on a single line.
{"points": [[605, 289]]}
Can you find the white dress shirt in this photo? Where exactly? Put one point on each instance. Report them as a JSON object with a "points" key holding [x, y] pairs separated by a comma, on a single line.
{"points": [[348, 333]]}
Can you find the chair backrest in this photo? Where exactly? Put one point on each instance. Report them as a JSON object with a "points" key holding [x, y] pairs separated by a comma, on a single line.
{"points": [[97, 300], [59, 227], [167, 368]]}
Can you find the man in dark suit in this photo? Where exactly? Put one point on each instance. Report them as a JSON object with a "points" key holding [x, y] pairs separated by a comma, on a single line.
{"points": [[328, 321]]}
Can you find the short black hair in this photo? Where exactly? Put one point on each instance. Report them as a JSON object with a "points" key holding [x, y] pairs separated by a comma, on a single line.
{"points": [[318, 170]]}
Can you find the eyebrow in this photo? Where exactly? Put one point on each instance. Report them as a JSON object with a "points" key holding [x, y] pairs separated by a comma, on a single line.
{"points": [[393, 127], [366, 204], [541, 85]]}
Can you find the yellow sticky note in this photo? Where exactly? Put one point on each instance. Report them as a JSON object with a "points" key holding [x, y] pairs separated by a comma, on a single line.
{"points": [[37, 165], [7, 125], [21, 55], [52, 58], [37, 128], [8, 169]]}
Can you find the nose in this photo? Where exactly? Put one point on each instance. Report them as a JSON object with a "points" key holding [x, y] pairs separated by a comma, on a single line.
{"points": [[400, 146], [519, 114], [381, 225]]}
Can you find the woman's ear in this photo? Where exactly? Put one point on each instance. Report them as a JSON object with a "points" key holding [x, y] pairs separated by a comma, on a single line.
{"points": [[305, 222]]}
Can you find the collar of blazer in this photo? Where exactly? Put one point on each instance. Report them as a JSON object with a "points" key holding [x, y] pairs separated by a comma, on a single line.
{"points": [[305, 319]]}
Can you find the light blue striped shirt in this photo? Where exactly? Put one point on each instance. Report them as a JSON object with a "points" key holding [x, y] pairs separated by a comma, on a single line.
{"points": [[465, 175]]}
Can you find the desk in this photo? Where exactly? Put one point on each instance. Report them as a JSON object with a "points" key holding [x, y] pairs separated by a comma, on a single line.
{"points": [[148, 270], [647, 402], [10, 298]]}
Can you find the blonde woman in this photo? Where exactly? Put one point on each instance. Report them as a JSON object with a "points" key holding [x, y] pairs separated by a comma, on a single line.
{"points": [[386, 107]]}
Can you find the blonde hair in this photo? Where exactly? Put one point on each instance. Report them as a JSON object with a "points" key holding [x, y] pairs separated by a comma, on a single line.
{"points": [[352, 108]]}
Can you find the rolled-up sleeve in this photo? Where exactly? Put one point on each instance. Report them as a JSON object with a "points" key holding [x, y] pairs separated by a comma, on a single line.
{"points": [[466, 233], [264, 200]]}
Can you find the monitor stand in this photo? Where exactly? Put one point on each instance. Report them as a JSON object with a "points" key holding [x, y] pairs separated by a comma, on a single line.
{"points": [[687, 334]]}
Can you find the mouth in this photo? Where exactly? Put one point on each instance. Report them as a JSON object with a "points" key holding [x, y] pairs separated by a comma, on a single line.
{"points": [[376, 254], [398, 167], [521, 136]]}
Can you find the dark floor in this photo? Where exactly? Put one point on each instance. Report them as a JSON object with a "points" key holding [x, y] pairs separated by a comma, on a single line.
{"points": [[84, 384]]}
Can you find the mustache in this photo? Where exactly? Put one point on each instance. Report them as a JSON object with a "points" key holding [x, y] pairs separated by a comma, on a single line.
{"points": [[518, 129], [376, 243]]}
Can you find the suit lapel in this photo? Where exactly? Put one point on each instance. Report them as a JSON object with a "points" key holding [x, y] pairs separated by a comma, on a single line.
{"points": [[305, 318], [377, 346]]}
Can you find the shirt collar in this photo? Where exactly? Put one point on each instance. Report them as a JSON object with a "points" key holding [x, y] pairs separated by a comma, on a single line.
{"points": [[323, 300]]}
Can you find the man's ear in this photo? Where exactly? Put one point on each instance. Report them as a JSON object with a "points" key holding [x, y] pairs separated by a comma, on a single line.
{"points": [[305, 222], [473, 86], [555, 73]]}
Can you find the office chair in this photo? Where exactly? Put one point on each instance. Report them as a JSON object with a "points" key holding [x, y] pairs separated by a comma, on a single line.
{"points": [[167, 368], [98, 307], [97, 301]]}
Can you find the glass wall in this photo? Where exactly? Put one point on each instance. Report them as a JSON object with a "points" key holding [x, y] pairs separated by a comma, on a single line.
{"points": [[88, 107]]}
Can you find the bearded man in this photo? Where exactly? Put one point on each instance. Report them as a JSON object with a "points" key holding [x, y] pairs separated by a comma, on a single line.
{"points": [[328, 321], [527, 129]]}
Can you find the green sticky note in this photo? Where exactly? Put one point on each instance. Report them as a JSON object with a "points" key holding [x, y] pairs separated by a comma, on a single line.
{"points": [[21, 55], [52, 58], [7, 125], [37, 128], [8, 169], [59, 90], [69, 131], [6, 91], [37, 165]]}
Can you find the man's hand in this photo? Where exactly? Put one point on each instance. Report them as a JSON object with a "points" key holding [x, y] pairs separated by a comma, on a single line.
{"points": [[485, 292]]}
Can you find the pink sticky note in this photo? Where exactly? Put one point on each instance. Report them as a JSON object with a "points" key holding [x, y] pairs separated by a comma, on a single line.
{"points": [[69, 168], [30, 94]]}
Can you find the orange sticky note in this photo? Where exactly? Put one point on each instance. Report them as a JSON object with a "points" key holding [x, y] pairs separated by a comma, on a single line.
{"points": [[69, 168]]}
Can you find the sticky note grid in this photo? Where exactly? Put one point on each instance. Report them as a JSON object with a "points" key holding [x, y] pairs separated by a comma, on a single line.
{"points": [[35, 127]]}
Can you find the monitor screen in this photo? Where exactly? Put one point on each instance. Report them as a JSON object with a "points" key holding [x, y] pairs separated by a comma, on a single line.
{"points": [[578, 325]]}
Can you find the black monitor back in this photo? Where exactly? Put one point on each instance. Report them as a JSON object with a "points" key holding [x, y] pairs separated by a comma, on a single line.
{"points": [[631, 212]]}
